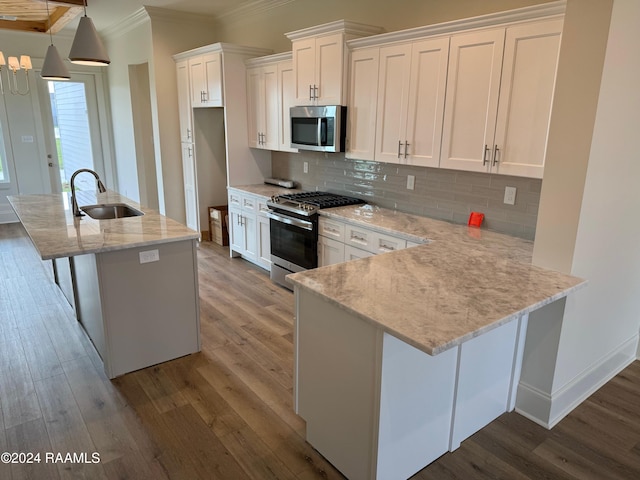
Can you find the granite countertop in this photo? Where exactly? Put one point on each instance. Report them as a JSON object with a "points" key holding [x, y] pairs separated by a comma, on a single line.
{"points": [[56, 233], [464, 282]]}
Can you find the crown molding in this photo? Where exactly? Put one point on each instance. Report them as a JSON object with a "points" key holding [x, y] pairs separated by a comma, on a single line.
{"points": [[224, 48], [137, 18], [177, 16], [250, 9], [349, 28], [533, 12], [269, 59]]}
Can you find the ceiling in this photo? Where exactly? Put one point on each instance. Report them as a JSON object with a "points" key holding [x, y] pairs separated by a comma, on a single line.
{"points": [[31, 15]]}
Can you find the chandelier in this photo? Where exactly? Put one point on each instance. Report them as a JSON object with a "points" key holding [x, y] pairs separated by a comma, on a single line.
{"points": [[12, 64]]}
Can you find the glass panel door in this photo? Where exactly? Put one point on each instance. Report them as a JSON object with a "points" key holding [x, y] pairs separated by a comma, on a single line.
{"points": [[72, 125]]}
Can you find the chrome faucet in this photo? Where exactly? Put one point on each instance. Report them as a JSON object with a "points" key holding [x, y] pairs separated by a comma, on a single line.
{"points": [[74, 203]]}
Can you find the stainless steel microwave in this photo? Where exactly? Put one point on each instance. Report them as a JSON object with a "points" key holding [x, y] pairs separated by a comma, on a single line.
{"points": [[319, 128]]}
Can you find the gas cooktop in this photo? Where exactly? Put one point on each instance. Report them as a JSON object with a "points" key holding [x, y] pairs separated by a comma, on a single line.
{"points": [[308, 203]]}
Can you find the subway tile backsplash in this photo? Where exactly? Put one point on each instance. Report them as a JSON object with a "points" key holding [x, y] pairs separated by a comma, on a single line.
{"points": [[443, 194]]}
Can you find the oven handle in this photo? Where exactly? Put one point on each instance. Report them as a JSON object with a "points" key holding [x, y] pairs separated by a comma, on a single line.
{"points": [[290, 220]]}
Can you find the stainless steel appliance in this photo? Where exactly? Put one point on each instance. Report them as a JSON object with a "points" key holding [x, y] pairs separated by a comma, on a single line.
{"points": [[294, 230], [320, 128]]}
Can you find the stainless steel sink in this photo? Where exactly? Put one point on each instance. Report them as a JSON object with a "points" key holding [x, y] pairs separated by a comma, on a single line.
{"points": [[107, 211]]}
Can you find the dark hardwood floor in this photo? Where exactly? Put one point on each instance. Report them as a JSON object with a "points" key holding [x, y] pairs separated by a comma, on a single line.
{"points": [[226, 412]]}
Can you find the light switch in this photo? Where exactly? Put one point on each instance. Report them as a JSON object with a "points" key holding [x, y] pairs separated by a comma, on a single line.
{"points": [[510, 195]]}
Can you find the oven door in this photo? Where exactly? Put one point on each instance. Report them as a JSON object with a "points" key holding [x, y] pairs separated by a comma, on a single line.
{"points": [[294, 239]]}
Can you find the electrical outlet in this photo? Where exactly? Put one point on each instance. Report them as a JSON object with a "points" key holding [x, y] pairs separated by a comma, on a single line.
{"points": [[149, 256], [305, 167], [411, 182], [510, 195]]}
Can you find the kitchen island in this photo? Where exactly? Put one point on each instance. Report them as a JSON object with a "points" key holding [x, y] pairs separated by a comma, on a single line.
{"points": [[399, 357], [133, 282]]}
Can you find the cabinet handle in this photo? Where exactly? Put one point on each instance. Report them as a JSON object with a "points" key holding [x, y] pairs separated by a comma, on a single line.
{"points": [[484, 156], [190, 152], [406, 144], [315, 92], [399, 146], [310, 92], [188, 133], [496, 150], [387, 248]]}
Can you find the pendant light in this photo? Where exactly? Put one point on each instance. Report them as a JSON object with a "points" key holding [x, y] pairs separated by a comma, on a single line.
{"points": [[53, 67], [87, 48]]}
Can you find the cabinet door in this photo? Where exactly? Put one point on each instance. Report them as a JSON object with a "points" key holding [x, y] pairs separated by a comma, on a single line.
{"points": [[304, 66], [329, 69], [329, 251], [286, 100], [393, 94], [213, 75], [184, 101], [197, 81], [526, 95], [473, 86], [251, 236], [236, 231], [255, 106], [362, 105], [264, 242], [270, 102], [425, 109], [190, 189]]}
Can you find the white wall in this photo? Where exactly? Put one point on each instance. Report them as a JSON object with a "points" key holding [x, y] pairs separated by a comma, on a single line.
{"points": [[128, 45], [607, 314]]}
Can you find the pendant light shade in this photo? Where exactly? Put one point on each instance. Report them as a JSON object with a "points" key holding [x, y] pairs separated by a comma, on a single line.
{"points": [[53, 67], [87, 48]]}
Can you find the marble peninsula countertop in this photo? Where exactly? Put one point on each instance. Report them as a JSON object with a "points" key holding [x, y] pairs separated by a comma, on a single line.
{"points": [[464, 282], [56, 233]]}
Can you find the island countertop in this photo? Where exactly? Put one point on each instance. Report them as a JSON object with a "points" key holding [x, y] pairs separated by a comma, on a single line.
{"points": [[435, 296], [56, 233]]}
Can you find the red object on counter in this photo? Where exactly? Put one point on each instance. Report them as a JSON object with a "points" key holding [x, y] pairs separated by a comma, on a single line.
{"points": [[475, 219]]}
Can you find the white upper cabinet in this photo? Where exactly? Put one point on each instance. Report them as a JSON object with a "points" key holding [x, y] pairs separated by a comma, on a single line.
{"points": [[184, 102], [526, 95], [473, 87], [499, 97], [205, 73], [270, 95], [411, 95], [318, 69], [362, 105], [286, 100], [263, 120], [319, 61]]}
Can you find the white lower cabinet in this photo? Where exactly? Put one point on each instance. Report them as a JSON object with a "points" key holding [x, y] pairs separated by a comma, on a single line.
{"points": [[249, 232], [339, 242]]}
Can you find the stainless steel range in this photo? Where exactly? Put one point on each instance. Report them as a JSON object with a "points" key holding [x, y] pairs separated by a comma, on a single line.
{"points": [[294, 230]]}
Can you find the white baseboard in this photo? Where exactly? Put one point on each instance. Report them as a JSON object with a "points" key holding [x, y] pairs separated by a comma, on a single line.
{"points": [[547, 410]]}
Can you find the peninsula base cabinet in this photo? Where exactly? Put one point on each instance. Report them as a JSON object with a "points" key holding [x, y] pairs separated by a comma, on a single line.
{"points": [[376, 407], [139, 306]]}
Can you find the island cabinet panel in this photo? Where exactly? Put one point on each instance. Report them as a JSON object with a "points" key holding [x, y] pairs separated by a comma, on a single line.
{"points": [[140, 305], [484, 380], [416, 405], [338, 371]]}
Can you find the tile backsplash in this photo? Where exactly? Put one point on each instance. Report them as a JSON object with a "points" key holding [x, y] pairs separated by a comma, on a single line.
{"points": [[439, 193]]}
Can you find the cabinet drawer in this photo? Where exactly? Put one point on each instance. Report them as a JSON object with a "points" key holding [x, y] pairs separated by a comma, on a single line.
{"points": [[249, 204], [331, 229], [371, 241], [235, 200], [262, 206], [388, 243], [353, 253]]}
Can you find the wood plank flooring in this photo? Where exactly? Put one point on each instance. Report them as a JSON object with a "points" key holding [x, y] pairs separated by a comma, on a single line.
{"points": [[226, 412]]}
